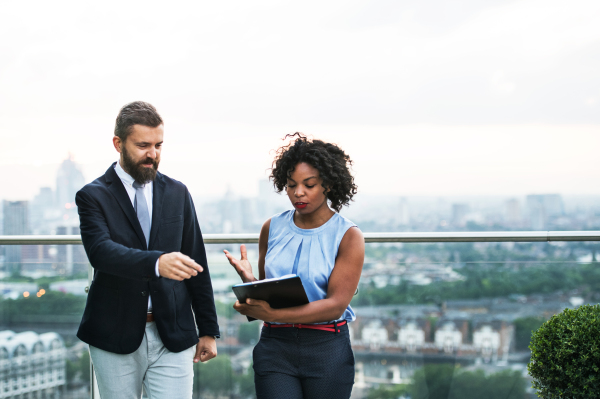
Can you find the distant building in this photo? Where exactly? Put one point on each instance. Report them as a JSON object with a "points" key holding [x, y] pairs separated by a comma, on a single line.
{"points": [[69, 180], [448, 337], [402, 213], [459, 214], [231, 213], [391, 342], [411, 337], [486, 340], [374, 334], [16, 222], [70, 259], [513, 211], [542, 207], [16, 217], [31, 365], [52, 208], [492, 339], [41, 205]]}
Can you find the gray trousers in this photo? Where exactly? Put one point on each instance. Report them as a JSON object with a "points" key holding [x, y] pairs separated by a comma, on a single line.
{"points": [[164, 374]]}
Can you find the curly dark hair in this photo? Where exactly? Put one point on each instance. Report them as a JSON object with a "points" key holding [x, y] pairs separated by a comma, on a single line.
{"points": [[330, 160]]}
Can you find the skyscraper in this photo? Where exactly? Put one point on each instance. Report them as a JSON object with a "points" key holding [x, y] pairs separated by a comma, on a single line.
{"points": [[71, 259], [543, 207], [42, 204], [402, 213], [513, 211], [69, 180], [16, 222], [459, 214]]}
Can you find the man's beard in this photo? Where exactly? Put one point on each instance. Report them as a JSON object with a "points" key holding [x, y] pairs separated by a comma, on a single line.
{"points": [[140, 173]]}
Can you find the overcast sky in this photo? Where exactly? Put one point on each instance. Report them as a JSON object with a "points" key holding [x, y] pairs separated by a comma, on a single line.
{"points": [[429, 97]]}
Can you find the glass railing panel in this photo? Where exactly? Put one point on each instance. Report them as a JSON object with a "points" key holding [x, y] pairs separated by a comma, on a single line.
{"points": [[433, 320], [41, 303], [455, 320], [230, 375]]}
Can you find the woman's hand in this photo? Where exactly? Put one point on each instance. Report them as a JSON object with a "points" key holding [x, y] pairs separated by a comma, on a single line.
{"points": [[256, 308], [241, 266]]}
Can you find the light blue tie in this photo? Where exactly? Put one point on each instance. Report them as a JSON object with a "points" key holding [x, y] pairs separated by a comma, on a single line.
{"points": [[141, 209]]}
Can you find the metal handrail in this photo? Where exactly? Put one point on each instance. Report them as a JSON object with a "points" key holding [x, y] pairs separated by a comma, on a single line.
{"points": [[426, 237]]}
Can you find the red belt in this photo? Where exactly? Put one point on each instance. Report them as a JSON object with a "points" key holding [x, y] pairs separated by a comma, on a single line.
{"points": [[325, 327]]}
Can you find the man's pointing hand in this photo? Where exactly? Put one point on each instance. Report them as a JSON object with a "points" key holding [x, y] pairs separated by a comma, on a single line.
{"points": [[177, 266]]}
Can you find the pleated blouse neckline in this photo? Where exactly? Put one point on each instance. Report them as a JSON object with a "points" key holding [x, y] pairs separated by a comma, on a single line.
{"points": [[316, 230]]}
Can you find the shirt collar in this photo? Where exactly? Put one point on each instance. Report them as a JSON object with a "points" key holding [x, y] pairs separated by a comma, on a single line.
{"points": [[124, 176]]}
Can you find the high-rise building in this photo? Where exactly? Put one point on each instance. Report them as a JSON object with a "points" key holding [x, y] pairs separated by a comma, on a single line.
{"points": [[69, 180], [402, 213], [536, 211], [16, 222], [554, 205], [269, 202], [42, 204], [459, 214], [80, 259], [513, 211], [71, 259], [542, 207]]}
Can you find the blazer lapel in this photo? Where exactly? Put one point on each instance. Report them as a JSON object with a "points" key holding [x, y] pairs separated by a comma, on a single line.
{"points": [[115, 186], [158, 191]]}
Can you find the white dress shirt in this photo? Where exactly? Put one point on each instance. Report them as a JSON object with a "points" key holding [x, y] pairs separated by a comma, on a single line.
{"points": [[128, 183]]}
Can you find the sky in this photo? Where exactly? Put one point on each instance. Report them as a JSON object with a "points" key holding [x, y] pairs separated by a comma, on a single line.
{"points": [[428, 97]]}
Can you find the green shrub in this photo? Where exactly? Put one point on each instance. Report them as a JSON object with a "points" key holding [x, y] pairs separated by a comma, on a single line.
{"points": [[565, 355]]}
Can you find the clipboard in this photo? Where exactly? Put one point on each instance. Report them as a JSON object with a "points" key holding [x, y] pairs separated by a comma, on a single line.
{"points": [[280, 292]]}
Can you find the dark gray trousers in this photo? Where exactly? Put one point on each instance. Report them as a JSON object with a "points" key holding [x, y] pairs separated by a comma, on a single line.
{"points": [[293, 363]]}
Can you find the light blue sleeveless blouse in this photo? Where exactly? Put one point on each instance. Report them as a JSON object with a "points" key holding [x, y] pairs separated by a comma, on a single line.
{"points": [[309, 253]]}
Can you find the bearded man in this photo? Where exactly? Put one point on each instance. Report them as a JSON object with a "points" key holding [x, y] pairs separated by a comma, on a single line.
{"points": [[151, 302]]}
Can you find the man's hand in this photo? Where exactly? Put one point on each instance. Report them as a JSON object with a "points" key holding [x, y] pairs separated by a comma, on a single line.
{"points": [[177, 266], [206, 349]]}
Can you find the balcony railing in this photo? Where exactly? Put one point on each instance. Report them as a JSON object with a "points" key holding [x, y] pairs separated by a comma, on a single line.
{"points": [[425, 237], [405, 237]]}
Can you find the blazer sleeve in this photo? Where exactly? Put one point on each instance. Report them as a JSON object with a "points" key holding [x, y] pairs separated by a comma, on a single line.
{"points": [[199, 286], [105, 254]]}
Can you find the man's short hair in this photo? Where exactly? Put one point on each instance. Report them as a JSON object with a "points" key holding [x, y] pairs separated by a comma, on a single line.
{"points": [[136, 113]]}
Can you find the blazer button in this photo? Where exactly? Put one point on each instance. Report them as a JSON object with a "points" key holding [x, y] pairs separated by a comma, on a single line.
{"points": [[144, 293]]}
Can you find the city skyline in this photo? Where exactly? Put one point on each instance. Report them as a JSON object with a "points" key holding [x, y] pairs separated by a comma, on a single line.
{"points": [[69, 177], [53, 210]]}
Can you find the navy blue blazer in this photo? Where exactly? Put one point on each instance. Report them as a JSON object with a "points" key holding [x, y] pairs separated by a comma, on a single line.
{"points": [[124, 267]]}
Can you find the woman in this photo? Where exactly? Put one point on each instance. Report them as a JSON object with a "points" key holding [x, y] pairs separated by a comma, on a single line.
{"points": [[304, 351]]}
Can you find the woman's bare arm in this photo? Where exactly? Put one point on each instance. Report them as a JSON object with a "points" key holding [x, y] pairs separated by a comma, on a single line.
{"points": [[263, 246]]}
